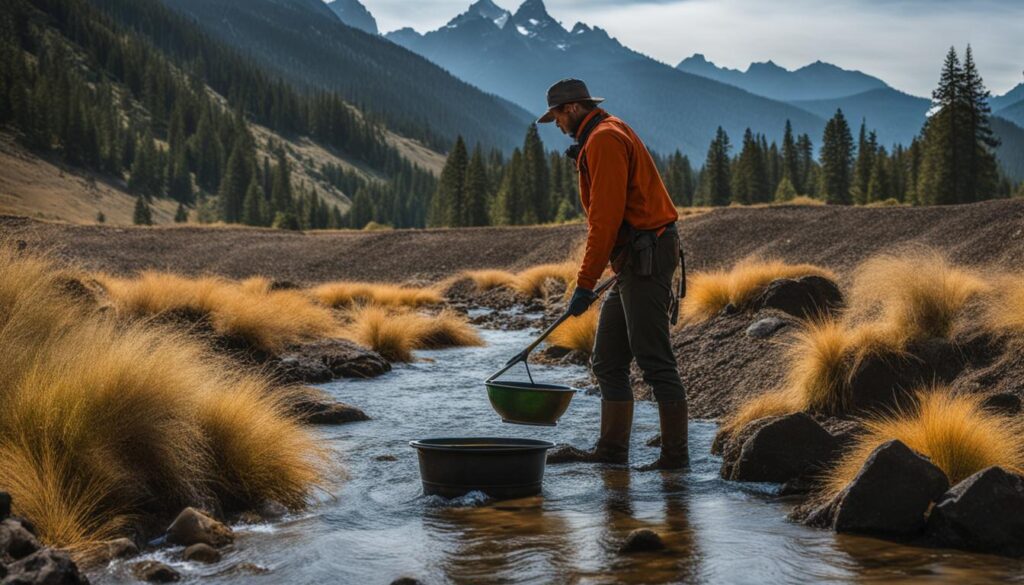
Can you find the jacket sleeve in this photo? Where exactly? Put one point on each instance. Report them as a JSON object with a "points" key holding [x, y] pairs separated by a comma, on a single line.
{"points": [[608, 163]]}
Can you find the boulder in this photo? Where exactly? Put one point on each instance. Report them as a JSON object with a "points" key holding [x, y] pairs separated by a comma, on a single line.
{"points": [[642, 540], [889, 496], [341, 358], [155, 572], [119, 548], [765, 328], [271, 510], [192, 526], [781, 449], [5, 505], [1006, 403], [325, 411], [45, 567], [804, 297], [983, 513], [201, 553], [17, 540]]}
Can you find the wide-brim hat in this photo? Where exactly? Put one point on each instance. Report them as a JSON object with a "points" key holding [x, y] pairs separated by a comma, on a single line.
{"points": [[564, 92]]}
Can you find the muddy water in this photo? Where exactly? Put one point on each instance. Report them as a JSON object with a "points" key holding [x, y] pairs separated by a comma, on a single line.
{"points": [[377, 526]]}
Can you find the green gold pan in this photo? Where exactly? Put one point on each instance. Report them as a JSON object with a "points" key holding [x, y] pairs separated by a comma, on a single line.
{"points": [[524, 403]]}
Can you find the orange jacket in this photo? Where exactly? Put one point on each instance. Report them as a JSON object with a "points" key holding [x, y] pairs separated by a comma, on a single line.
{"points": [[622, 184]]}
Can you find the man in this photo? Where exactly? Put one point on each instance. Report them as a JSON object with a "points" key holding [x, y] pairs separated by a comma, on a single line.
{"points": [[631, 222]]}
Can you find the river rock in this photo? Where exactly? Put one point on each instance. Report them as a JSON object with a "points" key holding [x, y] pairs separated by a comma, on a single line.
{"points": [[119, 548], [155, 572], [1006, 403], [642, 540], [44, 567], [17, 540], [5, 505], [192, 526], [326, 411], [804, 297], [325, 360], [765, 328], [889, 496], [271, 510], [201, 553], [984, 513], [781, 449]]}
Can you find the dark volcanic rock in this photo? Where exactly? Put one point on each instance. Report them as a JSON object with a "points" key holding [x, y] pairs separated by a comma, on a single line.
{"points": [[45, 567], [765, 328], [155, 572], [323, 361], [1002, 403], [17, 540], [885, 380], [119, 548], [984, 513], [781, 449], [192, 526], [889, 496], [326, 412], [804, 297], [201, 553], [642, 540]]}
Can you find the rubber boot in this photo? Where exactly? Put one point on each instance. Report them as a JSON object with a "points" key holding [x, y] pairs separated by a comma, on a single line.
{"points": [[613, 444], [675, 453]]}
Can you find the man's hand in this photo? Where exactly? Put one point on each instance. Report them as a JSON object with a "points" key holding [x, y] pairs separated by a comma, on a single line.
{"points": [[581, 300]]}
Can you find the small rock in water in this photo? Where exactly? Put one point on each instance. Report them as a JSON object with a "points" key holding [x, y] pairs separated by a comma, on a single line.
{"points": [[984, 512], [386, 457], [271, 510], [249, 517], [642, 540], [44, 567], [407, 581], [119, 548], [155, 572], [192, 526], [201, 553], [765, 328]]}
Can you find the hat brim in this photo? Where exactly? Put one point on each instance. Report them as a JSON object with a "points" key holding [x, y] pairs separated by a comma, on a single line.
{"points": [[549, 116]]}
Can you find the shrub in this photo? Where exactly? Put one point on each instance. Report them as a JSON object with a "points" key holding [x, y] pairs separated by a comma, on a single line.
{"points": [[707, 293], [392, 335], [955, 432], [107, 422], [917, 293], [485, 280], [533, 282], [577, 333], [447, 329], [347, 294], [1004, 311]]}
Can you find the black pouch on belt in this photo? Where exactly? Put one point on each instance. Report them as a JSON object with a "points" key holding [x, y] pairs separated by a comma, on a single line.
{"points": [[642, 248]]}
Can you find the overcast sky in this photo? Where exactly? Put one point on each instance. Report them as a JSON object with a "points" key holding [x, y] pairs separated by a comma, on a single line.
{"points": [[901, 41]]}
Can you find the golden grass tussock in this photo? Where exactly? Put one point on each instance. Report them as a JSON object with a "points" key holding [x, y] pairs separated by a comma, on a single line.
{"points": [[577, 333], [396, 332], [532, 282], [266, 319], [953, 431], [918, 292], [485, 280], [707, 293], [347, 294], [1004, 310], [106, 421]]}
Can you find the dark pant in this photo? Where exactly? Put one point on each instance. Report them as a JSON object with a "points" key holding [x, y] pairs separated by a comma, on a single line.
{"points": [[634, 323]]}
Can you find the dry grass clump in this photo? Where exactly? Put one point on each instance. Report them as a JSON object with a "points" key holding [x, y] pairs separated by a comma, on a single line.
{"points": [[1004, 311], [347, 294], [104, 422], [532, 282], [485, 280], [955, 432], [265, 319], [707, 293], [395, 333], [919, 293], [577, 333]]}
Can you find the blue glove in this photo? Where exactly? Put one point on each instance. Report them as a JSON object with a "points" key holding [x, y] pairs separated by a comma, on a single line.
{"points": [[580, 301]]}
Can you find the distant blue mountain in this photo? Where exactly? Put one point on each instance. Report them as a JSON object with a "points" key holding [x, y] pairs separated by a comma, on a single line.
{"points": [[354, 14], [896, 116], [817, 81], [1014, 113], [1010, 151], [1008, 99]]}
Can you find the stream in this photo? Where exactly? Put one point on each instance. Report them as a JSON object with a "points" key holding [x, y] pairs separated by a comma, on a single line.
{"points": [[375, 525]]}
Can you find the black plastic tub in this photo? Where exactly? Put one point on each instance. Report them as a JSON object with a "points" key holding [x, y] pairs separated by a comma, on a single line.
{"points": [[500, 468]]}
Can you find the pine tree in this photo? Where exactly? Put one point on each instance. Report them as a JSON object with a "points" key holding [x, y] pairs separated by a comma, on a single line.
{"points": [[749, 175], [100, 217], [879, 186], [509, 204], [477, 197], [867, 145], [281, 200], [805, 165], [181, 214], [790, 158], [535, 177], [448, 203], [207, 153], [179, 181], [254, 207], [235, 182], [146, 178], [361, 212], [142, 215], [837, 160], [716, 177]]}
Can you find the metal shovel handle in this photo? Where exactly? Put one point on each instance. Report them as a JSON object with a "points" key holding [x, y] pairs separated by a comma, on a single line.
{"points": [[523, 355]]}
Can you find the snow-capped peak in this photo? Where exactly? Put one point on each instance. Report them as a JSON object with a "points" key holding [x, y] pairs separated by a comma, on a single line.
{"points": [[491, 11]]}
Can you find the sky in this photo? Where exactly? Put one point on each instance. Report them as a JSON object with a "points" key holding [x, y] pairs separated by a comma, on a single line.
{"points": [[901, 41]]}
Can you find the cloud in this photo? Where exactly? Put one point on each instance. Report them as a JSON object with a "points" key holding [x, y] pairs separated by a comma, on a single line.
{"points": [[901, 41]]}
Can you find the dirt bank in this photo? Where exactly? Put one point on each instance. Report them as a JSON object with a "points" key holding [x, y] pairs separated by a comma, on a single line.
{"points": [[838, 237]]}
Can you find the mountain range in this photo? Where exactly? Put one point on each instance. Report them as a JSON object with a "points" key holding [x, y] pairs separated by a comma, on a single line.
{"points": [[354, 14]]}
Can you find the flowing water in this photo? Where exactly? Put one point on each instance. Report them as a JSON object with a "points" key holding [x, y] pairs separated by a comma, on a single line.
{"points": [[376, 525]]}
